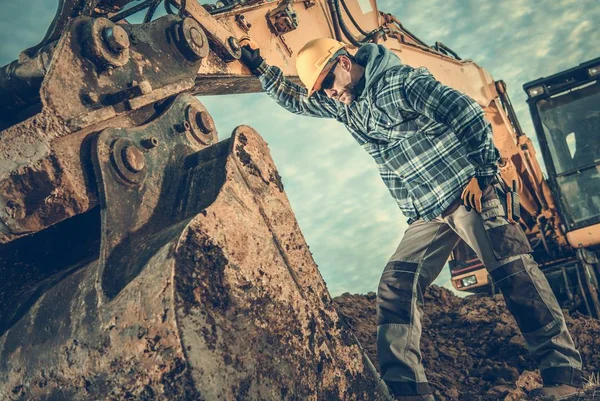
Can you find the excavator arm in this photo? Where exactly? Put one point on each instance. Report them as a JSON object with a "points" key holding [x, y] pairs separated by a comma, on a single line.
{"points": [[126, 75]]}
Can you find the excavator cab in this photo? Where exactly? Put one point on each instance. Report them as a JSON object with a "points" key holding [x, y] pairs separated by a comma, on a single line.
{"points": [[560, 213], [565, 113]]}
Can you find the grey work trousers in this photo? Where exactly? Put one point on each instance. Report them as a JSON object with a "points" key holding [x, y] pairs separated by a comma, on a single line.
{"points": [[504, 250]]}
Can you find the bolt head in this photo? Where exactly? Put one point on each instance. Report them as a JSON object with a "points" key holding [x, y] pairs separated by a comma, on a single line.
{"points": [[234, 44], [133, 158], [116, 38], [205, 122], [183, 127], [150, 143], [196, 37]]}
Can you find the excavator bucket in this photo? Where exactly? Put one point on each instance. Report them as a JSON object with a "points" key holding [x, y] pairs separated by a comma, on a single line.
{"points": [[202, 286], [140, 257]]}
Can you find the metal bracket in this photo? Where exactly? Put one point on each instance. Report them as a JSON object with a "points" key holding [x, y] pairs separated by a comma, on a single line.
{"points": [[283, 18], [109, 65], [242, 23], [222, 40], [586, 256], [145, 178]]}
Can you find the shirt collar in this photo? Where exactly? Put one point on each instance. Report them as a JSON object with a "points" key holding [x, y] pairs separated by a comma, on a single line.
{"points": [[359, 88]]}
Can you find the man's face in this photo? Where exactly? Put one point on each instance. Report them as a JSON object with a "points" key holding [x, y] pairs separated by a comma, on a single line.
{"points": [[336, 81]]}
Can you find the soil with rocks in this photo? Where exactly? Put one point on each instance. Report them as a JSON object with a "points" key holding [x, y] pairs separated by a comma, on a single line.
{"points": [[472, 348]]}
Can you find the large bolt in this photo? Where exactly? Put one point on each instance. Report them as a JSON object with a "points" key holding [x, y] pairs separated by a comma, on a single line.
{"points": [[116, 38], [205, 122], [104, 43], [133, 159], [192, 40], [196, 37], [234, 44]]}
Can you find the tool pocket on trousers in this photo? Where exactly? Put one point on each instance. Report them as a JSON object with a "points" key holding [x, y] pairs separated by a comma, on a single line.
{"points": [[506, 239], [395, 293]]}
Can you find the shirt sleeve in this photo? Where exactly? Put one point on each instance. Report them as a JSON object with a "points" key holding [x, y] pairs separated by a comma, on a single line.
{"points": [[294, 97], [418, 91]]}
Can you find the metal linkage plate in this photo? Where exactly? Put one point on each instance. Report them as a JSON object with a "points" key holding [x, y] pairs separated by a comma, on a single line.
{"points": [[143, 179], [100, 69]]}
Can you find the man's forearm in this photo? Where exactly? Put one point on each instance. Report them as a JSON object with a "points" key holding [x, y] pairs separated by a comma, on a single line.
{"points": [[291, 96], [287, 94]]}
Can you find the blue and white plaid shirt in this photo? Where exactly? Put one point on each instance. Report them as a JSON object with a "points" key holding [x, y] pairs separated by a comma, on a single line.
{"points": [[427, 139]]}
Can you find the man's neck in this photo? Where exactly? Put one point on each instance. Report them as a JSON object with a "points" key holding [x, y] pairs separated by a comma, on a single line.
{"points": [[357, 75]]}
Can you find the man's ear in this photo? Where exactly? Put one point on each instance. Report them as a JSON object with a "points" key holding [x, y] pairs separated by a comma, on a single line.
{"points": [[346, 63]]}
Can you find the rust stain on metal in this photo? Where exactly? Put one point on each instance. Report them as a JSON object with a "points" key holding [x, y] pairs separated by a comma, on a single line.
{"points": [[202, 287], [246, 159]]}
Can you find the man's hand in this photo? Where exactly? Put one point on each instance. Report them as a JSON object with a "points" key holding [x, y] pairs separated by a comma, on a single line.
{"points": [[471, 196], [250, 54]]}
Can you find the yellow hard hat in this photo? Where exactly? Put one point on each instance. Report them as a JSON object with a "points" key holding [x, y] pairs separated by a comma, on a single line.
{"points": [[313, 58]]}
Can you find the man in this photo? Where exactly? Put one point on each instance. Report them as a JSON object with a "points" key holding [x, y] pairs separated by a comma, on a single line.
{"points": [[433, 147]]}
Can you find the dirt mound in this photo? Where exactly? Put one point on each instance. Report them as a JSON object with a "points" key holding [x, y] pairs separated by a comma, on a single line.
{"points": [[472, 348]]}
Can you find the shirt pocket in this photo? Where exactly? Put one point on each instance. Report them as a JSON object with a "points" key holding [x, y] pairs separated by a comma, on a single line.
{"points": [[382, 125]]}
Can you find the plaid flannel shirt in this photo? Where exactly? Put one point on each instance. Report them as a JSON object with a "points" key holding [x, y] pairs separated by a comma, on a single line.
{"points": [[427, 139]]}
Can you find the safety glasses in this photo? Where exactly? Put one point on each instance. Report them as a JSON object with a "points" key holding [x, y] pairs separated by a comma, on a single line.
{"points": [[327, 82]]}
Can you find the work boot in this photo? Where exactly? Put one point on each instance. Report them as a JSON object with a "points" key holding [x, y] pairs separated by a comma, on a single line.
{"points": [[423, 397], [555, 391]]}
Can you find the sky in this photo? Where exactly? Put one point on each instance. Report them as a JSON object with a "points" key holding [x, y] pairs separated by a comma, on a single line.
{"points": [[346, 213]]}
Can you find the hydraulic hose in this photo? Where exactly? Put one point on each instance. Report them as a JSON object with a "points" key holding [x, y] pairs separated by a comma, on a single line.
{"points": [[335, 20], [363, 32], [132, 10], [343, 25], [351, 38], [391, 18], [152, 10], [439, 46], [169, 7], [151, 5], [180, 8]]}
